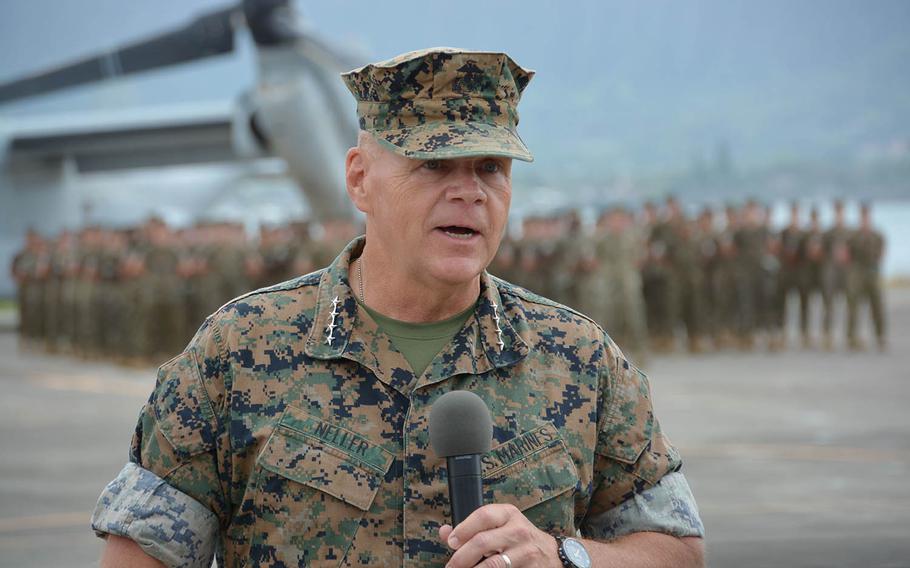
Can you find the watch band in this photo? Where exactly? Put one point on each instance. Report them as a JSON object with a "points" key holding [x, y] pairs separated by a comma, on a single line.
{"points": [[563, 556], [562, 553]]}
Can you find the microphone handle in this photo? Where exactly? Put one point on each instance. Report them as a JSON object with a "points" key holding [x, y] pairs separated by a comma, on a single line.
{"points": [[465, 486]]}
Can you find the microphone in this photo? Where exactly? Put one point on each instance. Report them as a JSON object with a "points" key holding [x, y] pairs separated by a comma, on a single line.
{"points": [[461, 430]]}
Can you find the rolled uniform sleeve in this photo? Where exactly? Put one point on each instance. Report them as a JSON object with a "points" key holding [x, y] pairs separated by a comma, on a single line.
{"points": [[170, 497], [637, 479], [165, 522], [668, 507]]}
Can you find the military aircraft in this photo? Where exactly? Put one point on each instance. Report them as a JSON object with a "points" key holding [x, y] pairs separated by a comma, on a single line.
{"points": [[294, 123]]}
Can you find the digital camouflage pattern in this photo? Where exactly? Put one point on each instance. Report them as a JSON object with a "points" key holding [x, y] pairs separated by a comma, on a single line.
{"points": [[166, 523], [443, 103], [302, 428], [668, 507]]}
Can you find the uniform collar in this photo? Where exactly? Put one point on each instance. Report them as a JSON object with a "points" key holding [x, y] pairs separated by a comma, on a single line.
{"points": [[341, 329]]}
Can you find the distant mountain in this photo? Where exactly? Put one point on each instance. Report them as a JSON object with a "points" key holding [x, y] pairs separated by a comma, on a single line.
{"points": [[624, 90]]}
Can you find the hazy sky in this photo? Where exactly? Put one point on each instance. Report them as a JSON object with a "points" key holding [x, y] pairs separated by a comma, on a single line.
{"points": [[636, 85]]}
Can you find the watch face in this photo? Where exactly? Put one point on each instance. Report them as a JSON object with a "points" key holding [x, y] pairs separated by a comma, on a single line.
{"points": [[576, 553]]}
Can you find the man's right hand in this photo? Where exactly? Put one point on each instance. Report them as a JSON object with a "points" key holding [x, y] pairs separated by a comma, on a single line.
{"points": [[120, 552]]}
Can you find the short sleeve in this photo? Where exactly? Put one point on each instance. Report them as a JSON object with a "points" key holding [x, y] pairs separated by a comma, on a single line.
{"points": [[165, 522], [668, 507], [179, 436], [632, 454], [179, 460]]}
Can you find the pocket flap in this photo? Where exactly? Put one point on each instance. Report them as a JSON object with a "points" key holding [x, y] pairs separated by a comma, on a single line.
{"points": [[529, 469], [182, 409], [629, 427], [325, 457]]}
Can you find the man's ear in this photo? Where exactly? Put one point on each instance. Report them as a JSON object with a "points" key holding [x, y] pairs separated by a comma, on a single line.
{"points": [[355, 174]]}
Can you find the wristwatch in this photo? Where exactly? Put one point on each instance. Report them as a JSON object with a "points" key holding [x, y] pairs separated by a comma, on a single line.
{"points": [[572, 553]]}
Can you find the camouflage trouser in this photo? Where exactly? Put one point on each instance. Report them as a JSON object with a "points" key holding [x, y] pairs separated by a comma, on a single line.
{"points": [[726, 308], [834, 284], [163, 313], [750, 300], [85, 336], [624, 313], [591, 297], [810, 283], [768, 318], [68, 324], [865, 285], [688, 304], [105, 308], [708, 301], [189, 302], [51, 302], [133, 340], [31, 324], [660, 303], [788, 281]]}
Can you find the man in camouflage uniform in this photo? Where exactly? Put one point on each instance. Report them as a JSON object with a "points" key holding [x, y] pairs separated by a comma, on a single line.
{"points": [[708, 259], [658, 286], [620, 251], [108, 300], [685, 258], [867, 246], [86, 338], [750, 239], [58, 293], [790, 239], [725, 275], [836, 270], [812, 257], [505, 264], [25, 272], [277, 251], [292, 431], [566, 258], [768, 319]]}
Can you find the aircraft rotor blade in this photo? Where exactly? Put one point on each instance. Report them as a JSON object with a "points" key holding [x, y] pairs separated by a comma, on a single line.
{"points": [[208, 35]]}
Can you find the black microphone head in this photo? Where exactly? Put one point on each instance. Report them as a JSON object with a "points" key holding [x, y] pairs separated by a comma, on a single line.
{"points": [[460, 425]]}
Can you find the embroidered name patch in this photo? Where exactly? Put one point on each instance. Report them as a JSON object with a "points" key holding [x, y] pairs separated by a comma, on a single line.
{"points": [[519, 448], [349, 443]]}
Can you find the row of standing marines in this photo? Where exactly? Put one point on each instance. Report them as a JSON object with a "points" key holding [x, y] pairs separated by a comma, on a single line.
{"points": [[660, 278], [654, 279]]}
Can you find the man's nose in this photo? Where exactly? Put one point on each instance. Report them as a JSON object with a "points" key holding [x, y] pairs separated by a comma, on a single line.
{"points": [[465, 185]]}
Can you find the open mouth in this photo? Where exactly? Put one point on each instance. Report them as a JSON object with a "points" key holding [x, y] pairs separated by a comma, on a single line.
{"points": [[458, 232]]}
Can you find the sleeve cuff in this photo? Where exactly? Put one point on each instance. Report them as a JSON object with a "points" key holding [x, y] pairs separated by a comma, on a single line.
{"points": [[165, 522], [668, 507]]}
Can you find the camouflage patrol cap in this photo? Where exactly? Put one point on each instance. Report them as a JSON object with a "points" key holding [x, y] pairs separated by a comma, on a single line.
{"points": [[442, 103]]}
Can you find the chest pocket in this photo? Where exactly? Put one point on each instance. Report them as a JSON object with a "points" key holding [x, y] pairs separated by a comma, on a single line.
{"points": [[534, 472], [316, 482]]}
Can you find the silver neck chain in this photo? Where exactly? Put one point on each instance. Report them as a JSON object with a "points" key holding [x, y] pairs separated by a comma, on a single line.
{"points": [[360, 276]]}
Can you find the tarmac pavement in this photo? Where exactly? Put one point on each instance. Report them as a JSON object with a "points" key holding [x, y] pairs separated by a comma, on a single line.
{"points": [[798, 458]]}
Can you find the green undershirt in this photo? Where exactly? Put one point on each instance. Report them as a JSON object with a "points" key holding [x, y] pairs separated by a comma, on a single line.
{"points": [[419, 342]]}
